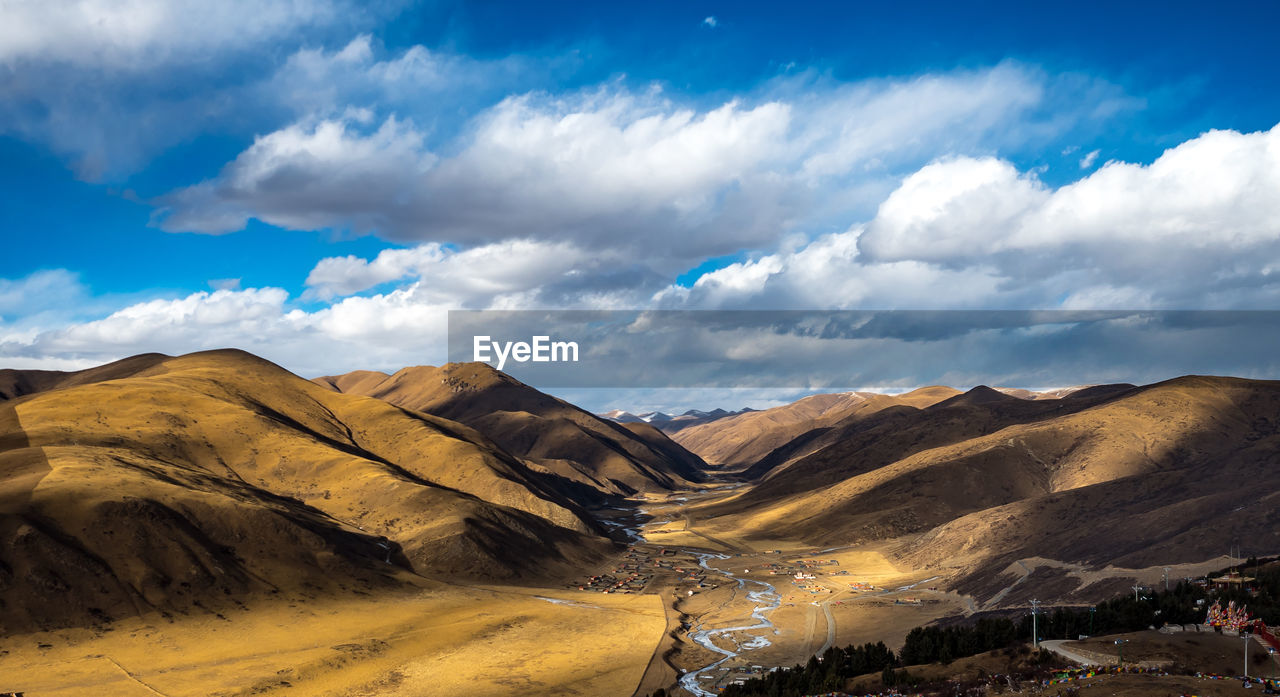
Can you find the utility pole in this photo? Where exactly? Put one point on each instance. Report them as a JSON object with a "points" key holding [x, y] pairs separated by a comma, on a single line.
{"points": [[1035, 634], [1121, 643], [1092, 610], [1135, 593], [1166, 579], [1246, 655]]}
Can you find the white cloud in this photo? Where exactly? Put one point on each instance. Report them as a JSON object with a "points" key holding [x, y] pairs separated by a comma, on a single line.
{"points": [[939, 213], [609, 168], [1197, 228], [320, 81], [383, 331], [362, 179], [139, 33], [478, 277], [711, 22], [876, 123], [386, 330], [109, 83], [1087, 161], [593, 169], [829, 273]]}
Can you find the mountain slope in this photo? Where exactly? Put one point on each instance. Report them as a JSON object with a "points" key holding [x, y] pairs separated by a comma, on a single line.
{"points": [[880, 436], [17, 383], [570, 442], [1124, 476], [744, 439], [216, 475]]}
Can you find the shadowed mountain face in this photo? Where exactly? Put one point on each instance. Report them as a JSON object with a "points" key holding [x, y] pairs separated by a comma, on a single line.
{"points": [[607, 457], [1107, 475], [213, 476]]}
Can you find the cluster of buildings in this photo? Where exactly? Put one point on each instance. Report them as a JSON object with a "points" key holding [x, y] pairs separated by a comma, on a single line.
{"points": [[638, 568]]}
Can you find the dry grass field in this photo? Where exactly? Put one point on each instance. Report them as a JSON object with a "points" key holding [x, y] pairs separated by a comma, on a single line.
{"points": [[440, 640]]}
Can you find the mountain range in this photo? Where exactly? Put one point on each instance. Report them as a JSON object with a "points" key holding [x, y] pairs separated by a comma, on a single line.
{"points": [[668, 423], [162, 483], [1112, 475]]}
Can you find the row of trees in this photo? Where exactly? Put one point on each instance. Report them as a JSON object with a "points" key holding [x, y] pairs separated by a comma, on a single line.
{"points": [[826, 675], [932, 643]]}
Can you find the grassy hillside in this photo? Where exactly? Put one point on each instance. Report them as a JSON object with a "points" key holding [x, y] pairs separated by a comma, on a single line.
{"points": [[1127, 476], [607, 457], [199, 479], [744, 440]]}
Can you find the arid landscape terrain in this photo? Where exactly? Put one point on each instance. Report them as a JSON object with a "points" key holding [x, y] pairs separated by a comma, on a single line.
{"points": [[211, 524]]}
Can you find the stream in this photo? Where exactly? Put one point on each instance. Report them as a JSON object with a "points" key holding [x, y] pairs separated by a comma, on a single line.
{"points": [[767, 599]]}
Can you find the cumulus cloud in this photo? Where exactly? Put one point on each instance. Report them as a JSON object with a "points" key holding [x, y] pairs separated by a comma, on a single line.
{"points": [[830, 273], [484, 276], [1196, 228], [597, 169], [612, 168], [404, 325], [386, 330], [365, 177]]}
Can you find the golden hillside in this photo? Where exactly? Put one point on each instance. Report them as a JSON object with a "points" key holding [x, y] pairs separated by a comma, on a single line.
{"points": [[744, 440], [198, 479], [16, 383], [1125, 476], [557, 436]]}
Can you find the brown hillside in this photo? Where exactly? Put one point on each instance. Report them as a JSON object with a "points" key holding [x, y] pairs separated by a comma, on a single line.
{"points": [[17, 383], [554, 434], [743, 439], [206, 477], [1125, 476]]}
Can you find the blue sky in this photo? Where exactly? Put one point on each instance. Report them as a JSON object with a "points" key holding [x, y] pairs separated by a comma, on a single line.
{"points": [[320, 181]]}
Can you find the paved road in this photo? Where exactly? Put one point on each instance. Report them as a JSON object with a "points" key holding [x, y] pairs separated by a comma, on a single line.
{"points": [[1056, 646], [831, 628]]}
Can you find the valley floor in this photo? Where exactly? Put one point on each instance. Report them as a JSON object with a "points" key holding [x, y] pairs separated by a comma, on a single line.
{"points": [[848, 595], [684, 599], [443, 640]]}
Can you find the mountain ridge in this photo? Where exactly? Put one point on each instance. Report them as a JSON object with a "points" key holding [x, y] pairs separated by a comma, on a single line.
{"points": [[569, 441]]}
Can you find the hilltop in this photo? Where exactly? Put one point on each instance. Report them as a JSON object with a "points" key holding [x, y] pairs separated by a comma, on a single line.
{"points": [[165, 483], [1110, 475], [605, 457]]}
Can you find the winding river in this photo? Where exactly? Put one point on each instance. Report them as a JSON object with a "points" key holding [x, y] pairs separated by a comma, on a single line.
{"points": [[767, 599]]}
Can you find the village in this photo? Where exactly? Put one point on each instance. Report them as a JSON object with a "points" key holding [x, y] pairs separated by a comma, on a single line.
{"points": [[641, 564]]}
